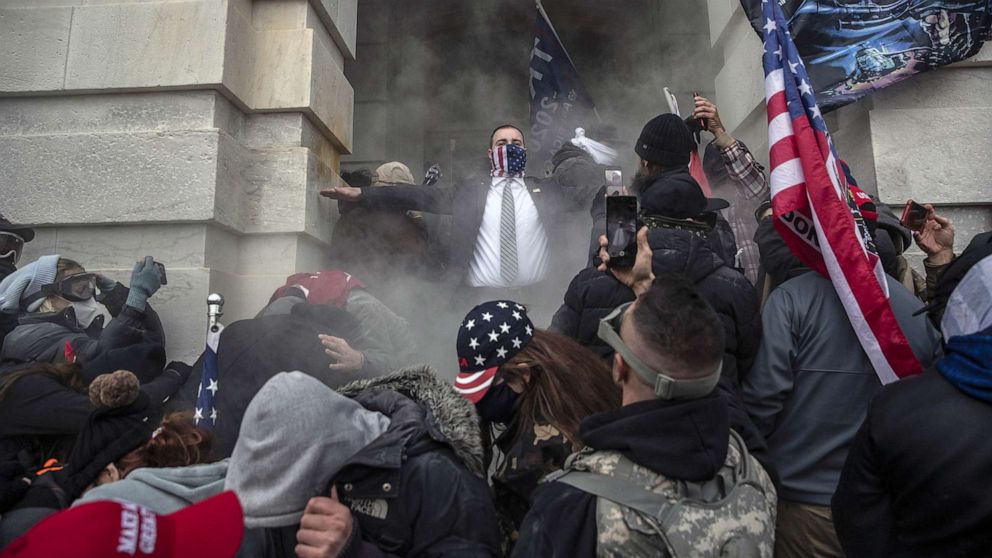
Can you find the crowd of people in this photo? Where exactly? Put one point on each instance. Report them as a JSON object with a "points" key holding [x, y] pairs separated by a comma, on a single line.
{"points": [[711, 398]]}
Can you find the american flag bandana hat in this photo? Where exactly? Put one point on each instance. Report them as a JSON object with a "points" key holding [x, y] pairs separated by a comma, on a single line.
{"points": [[508, 161], [491, 334]]}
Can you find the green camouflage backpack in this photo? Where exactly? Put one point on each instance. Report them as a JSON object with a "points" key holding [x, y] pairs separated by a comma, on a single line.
{"points": [[642, 513]]}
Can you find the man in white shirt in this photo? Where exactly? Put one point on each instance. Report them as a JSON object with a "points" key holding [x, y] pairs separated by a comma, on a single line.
{"points": [[502, 230]]}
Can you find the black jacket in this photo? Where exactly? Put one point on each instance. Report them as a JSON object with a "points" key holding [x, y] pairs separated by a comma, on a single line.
{"points": [[251, 351], [651, 194], [684, 440], [916, 480], [593, 294], [410, 493], [466, 204]]}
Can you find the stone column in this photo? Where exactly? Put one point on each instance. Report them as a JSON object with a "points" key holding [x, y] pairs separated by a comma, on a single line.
{"points": [[196, 131], [926, 138]]}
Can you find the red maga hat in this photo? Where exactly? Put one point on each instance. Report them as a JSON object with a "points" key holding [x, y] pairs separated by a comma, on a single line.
{"points": [[211, 528]]}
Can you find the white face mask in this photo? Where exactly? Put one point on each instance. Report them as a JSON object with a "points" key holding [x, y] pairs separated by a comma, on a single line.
{"points": [[86, 311]]}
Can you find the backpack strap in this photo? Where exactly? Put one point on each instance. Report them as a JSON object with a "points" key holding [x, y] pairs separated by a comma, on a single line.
{"points": [[618, 491]]}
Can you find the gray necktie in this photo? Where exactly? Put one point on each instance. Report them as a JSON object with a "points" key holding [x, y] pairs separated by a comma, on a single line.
{"points": [[508, 236]]}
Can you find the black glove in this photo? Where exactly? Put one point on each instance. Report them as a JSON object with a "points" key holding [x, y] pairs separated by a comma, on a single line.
{"points": [[14, 483], [180, 368]]}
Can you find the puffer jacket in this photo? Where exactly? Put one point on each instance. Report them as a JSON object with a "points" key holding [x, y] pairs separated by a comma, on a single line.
{"points": [[594, 294], [419, 489]]}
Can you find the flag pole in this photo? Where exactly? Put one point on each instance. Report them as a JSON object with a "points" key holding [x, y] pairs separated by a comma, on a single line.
{"points": [[215, 309]]}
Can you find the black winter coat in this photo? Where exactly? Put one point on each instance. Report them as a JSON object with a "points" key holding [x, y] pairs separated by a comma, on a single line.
{"points": [[916, 480], [411, 494], [251, 351], [593, 294]]}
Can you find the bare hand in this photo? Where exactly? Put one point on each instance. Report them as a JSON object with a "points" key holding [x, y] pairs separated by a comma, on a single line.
{"points": [[343, 193], [706, 110], [936, 239], [325, 528], [345, 358], [638, 277]]}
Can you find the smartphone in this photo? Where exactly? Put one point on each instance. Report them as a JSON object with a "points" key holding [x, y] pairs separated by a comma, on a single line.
{"points": [[914, 216], [161, 272], [621, 230], [701, 122], [614, 181]]}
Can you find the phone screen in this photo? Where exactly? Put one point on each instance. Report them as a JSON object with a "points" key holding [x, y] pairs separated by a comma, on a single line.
{"points": [[614, 181], [621, 230], [914, 216]]}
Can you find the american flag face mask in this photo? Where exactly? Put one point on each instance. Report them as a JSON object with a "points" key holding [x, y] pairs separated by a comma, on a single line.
{"points": [[508, 161]]}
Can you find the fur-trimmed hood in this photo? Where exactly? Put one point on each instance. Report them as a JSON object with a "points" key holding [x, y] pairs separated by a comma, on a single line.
{"points": [[453, 415]]}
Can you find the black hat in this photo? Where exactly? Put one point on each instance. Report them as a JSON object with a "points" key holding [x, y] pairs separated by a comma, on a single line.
{"points": [[492, 333], [122, 421], [24, 231], [665, 140], [676, 194]]}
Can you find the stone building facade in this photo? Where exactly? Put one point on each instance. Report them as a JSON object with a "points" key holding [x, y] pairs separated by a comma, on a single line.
{"points": [[196, 131]]}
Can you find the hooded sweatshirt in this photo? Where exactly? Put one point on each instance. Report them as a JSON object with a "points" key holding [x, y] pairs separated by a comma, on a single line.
{"points": [[166, 489], [296, 434]]}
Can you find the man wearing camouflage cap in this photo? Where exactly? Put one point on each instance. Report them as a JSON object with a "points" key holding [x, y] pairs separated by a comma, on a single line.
{"points": [[664, 475]]}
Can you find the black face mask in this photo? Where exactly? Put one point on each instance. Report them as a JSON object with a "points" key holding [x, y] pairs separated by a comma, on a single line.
{"points": [[499, 404]]}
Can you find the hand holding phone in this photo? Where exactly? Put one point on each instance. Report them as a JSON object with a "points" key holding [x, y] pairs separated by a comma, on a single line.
{"points": [[914, 216]]}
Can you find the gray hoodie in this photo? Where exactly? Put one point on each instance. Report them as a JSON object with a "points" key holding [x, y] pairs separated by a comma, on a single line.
{"points": [[295, 436], [164, 490]]}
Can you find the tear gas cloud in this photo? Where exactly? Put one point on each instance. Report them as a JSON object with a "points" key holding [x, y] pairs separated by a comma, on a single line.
{"points": [[443, 74]]}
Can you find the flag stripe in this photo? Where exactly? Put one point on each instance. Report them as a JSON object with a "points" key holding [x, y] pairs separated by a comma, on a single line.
{"points": [[814, 209]]}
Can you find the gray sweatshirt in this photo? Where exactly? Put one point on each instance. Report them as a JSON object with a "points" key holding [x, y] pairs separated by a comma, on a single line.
{"points": [[810, 385]]}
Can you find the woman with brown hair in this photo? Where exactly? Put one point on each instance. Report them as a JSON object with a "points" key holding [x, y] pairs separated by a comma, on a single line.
{"points": [[169, 471], [531, 389]]}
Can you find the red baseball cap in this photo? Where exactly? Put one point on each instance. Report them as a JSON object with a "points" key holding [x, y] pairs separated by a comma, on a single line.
{"points": [[211, 528], [867, 205]]}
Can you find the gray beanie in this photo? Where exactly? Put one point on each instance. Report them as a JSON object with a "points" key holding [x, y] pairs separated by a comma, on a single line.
{"points": [[28, 281], [296, 435]]}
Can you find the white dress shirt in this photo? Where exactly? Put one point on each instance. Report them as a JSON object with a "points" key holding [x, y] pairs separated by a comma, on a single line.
{"points": [[532, 242]]}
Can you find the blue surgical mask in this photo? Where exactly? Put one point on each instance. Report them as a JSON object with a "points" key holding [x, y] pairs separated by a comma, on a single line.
{"points": [[499, 404]]}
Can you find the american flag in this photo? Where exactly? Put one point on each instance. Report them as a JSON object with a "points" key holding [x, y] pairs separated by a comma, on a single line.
{"points": [[205, 413], [814, 209]]}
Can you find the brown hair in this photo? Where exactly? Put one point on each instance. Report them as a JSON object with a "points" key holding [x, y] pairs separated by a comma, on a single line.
{"points": [[568, 382], [63, 373], [177, 443]]}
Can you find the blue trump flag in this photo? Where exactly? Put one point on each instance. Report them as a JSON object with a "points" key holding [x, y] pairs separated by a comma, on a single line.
{"points": [[559, 102]]}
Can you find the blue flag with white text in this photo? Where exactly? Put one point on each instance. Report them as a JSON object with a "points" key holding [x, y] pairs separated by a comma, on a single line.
{"points": [[559, 102]]}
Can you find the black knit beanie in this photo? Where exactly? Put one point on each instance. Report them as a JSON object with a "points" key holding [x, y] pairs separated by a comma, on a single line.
{"points": [[666, 141]]}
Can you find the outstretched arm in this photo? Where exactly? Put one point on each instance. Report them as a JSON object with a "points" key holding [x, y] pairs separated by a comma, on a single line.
{"points": [[407, 197]]}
